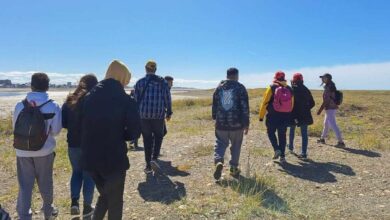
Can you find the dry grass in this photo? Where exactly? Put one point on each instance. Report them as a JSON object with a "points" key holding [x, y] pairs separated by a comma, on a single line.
{"points": [[363, 118]]}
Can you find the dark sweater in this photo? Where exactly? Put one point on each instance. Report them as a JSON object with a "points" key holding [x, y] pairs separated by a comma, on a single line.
{"points": [[303, 103], [230, 106], [71, 120], [109, 118]]}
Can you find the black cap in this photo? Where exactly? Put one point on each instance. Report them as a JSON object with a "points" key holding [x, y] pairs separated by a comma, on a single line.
{"points": [[326, 75]]}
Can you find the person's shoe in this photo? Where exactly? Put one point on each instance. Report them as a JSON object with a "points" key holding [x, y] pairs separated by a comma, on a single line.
{"points": [[302, 156], [321, 141], [277, 154], [75, 208], [148, 170], [218, 170], [340, 144], [54, 214], [291, 152], [234, 171], [155, 167], [88, 211], [282, 160]]}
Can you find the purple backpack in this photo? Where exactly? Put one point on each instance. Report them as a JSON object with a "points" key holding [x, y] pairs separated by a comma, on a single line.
{"points": [[283, 99]]}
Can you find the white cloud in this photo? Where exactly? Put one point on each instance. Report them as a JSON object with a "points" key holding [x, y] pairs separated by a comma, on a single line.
{"points": [[24, 77], [368, 76], [351, 76]]}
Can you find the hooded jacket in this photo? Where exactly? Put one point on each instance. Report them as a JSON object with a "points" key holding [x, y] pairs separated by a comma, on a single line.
{"points": [[303, 103], [273, 117], [109, 118], [230, 106], [53, 125]]}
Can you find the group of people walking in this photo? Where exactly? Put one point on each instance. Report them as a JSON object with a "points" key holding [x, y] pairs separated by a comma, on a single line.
{"points": [[282, 106], [100, 117]]}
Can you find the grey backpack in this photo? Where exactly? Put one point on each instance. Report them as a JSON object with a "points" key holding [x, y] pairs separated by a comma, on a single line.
{"points": [[30, 128]]}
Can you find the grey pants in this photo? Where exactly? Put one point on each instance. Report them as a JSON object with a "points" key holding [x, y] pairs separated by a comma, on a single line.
{"points": [[30, 169], [223, 140]]}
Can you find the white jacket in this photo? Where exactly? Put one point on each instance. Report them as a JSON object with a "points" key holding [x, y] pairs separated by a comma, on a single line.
{"points": [[53, 126]]}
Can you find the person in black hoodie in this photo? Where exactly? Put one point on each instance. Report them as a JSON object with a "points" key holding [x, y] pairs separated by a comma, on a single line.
{"points": [[109, 118], [231, 114], [301, 114], [71, 120]]}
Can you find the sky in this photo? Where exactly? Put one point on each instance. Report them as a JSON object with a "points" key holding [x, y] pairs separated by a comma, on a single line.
{"points": [[197, 41]]}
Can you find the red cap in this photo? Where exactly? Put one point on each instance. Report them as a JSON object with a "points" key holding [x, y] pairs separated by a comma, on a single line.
{"points": [[297, 77], [279, 75]]}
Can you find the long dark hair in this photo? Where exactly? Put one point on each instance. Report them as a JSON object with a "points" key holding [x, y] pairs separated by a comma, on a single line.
{"points": [[331, 86], [86, 83]]}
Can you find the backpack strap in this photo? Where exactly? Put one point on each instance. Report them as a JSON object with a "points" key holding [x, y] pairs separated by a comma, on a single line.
{"points": [[40, 106]]}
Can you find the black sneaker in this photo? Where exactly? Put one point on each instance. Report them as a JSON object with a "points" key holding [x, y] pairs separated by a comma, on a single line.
{"points": [[88, 211], [302, 156], [148, 170], [282, 160], [54, 214], [234, 172], [340, 144], [277, 154], [155, 167], [75, 208], [321, 141], [218, 170]]}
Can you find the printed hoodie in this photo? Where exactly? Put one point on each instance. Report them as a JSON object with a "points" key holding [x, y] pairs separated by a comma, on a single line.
{"points": [[230, 106], [53, 125]]}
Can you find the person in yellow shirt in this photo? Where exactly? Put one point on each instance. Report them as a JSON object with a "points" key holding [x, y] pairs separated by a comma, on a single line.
{"points": [[276, 106]]}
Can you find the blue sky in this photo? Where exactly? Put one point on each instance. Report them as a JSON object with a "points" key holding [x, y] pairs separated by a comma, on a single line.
{"points": [[196, 41]]}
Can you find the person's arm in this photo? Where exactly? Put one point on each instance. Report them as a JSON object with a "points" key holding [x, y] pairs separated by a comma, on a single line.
{"points": [[17, 110], [312, 103], [325, 101], [214, 106], [266, 98], [244, 106], [133, 121], [168, 100], [136, 92], [56, 121], [64, 113]]}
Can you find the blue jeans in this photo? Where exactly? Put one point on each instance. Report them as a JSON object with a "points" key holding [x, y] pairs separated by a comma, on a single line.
{"points": [[304, 135], [80, 178], [279, 142]]}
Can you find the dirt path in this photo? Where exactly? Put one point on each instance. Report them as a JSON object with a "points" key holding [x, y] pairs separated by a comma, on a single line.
{"points": [[334, 184]]}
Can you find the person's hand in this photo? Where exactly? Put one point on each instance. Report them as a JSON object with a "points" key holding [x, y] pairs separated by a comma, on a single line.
{"points": [[168, 118], [246, 131]]}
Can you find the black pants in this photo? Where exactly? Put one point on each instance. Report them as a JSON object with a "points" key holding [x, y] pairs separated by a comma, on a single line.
{"points": [[111, 189], [281, 144], [152, 133]]}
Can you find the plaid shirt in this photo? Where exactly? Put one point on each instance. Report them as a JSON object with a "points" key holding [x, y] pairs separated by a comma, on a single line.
{"points": [[156, 102]]}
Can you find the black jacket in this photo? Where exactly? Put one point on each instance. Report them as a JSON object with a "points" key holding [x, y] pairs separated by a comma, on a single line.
{"points": [[71, 120], [303, 103], [109, 118], [230, 106]]}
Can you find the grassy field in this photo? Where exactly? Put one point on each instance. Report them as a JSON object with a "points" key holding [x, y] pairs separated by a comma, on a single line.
{"points": [[350, 183]]}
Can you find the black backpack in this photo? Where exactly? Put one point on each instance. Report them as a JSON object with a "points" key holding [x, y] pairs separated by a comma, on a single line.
{"points": [[4, 215], [338, 99], [30, 128]]}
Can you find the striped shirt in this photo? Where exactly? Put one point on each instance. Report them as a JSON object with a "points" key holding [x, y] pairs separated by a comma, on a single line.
{"points": [[156, 101]]}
